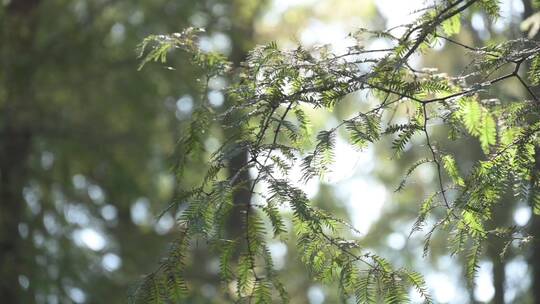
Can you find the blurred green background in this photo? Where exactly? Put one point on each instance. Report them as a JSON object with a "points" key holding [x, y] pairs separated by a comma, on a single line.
{"points": [[87, 144]]}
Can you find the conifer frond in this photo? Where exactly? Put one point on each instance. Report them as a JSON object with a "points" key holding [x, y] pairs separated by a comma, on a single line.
{"points": [[266, 117]]}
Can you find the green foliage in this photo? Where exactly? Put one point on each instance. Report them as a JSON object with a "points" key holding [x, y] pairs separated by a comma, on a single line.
{"points": [[363, 130], [160, 46], [473, 258], [165, 284], [488, 132], [274, 85], [536, 204], [69, 90], [410, 171], [471, 112], [479, 122], [534, 72], [491, 7], [450, 165], [452, 25]]}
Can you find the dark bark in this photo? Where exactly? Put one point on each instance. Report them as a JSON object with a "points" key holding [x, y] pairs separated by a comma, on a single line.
{"points": [[534, 225], [242, 36], [495, 248], [18, 30], [242, 196], [498, 281], [534, 230]]}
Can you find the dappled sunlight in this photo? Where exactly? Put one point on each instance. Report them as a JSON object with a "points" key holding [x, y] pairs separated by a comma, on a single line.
{"points": [[484, 290], [90, 238], [111, 262], [268, 151]]}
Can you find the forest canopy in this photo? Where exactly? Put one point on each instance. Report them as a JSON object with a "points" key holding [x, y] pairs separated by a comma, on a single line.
{"points": [[265, 119]]}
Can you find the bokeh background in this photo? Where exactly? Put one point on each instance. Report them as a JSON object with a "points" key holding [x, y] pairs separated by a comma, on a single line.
{"points": [[87, 144]]}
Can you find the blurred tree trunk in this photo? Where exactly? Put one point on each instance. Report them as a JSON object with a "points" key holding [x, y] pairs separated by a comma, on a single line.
{"points": [[18, 31], [534, 225], [534, 230], [242, 35], [500, 217], [495, 247]]}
